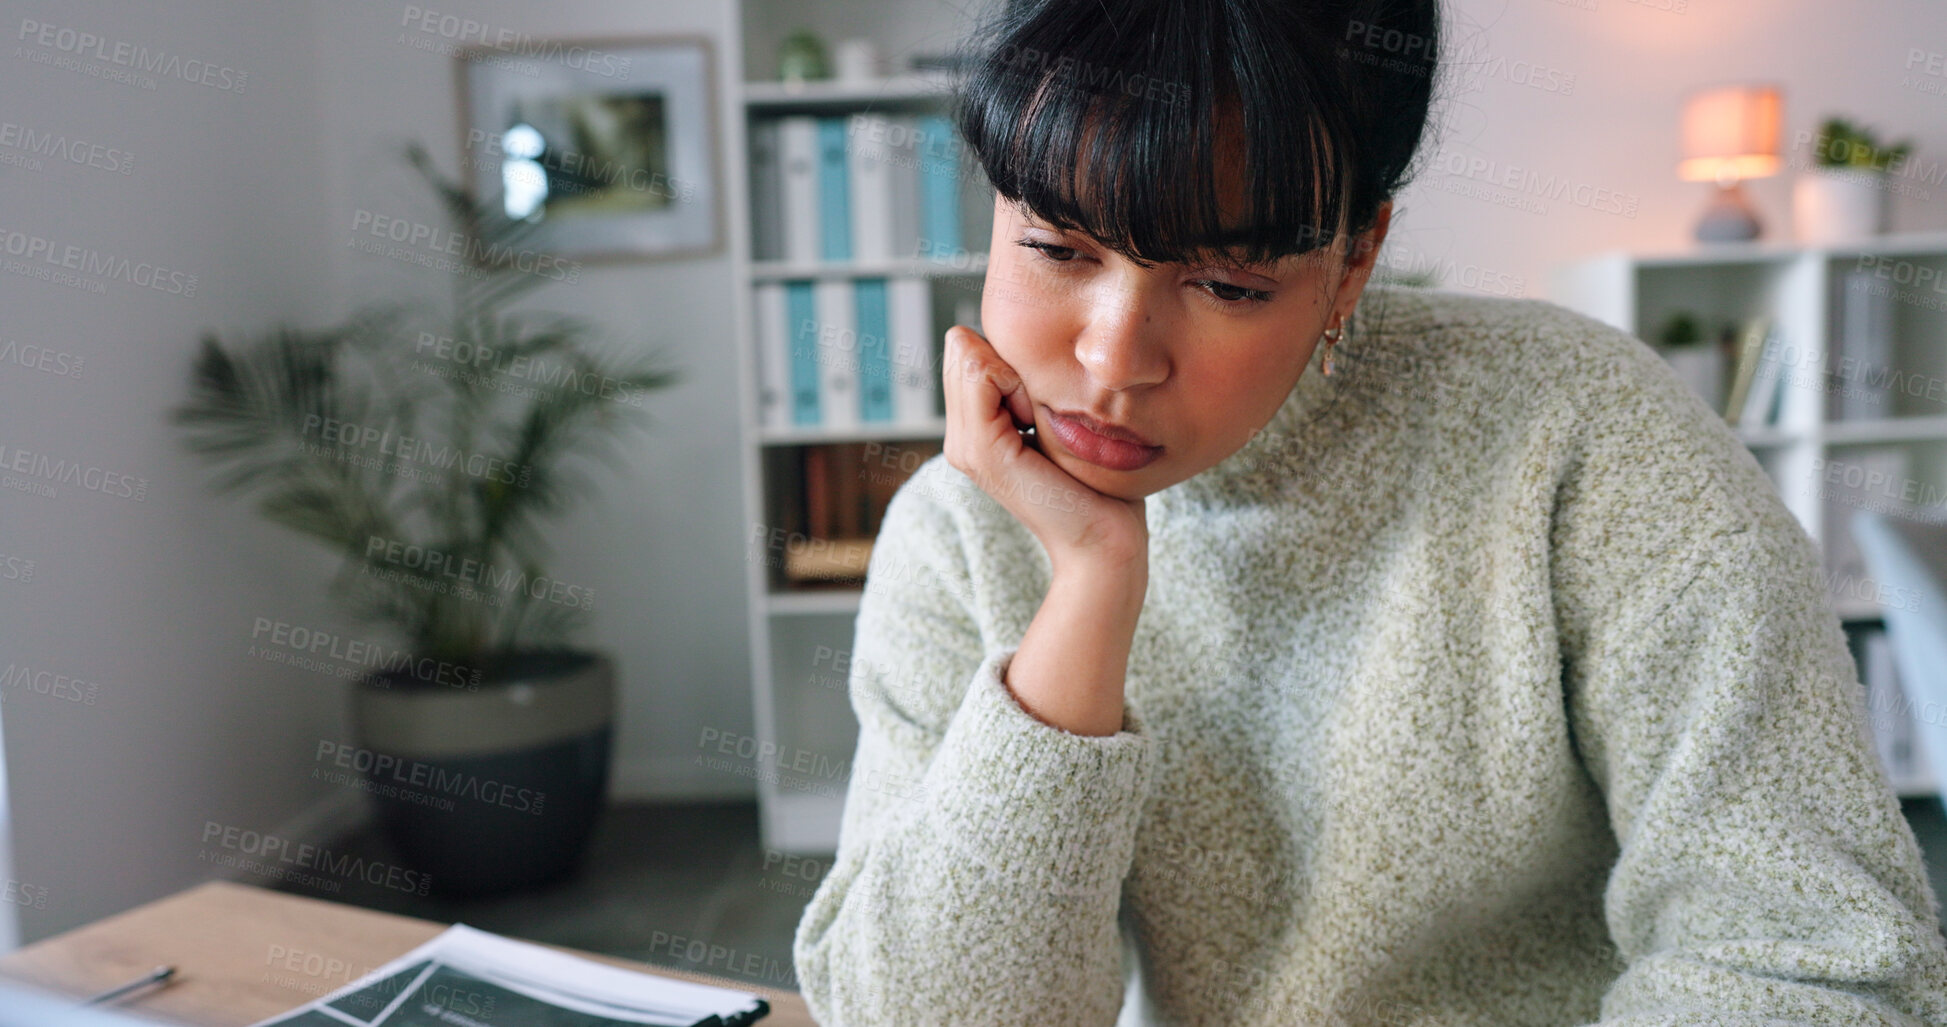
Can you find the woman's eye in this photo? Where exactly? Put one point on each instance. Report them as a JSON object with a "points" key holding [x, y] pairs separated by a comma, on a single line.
{"points": [[1234, 295], [1049, 251], [1223, 293]]}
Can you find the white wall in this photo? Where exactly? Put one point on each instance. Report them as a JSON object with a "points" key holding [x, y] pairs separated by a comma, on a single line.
{"points": [[255, 191], [149, 602], [1594, 96]]}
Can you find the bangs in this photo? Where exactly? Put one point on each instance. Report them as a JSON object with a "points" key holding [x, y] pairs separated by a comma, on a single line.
{"points": [[1137, 97]]}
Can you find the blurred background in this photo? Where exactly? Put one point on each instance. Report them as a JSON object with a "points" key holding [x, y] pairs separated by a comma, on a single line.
{"points": [[416, 495]]}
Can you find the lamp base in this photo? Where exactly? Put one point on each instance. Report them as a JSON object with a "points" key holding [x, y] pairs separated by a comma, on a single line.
{"points": [[1730, 216]]}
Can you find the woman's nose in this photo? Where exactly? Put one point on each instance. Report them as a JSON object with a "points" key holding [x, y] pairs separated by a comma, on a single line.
{"points": [[1124, 345]]}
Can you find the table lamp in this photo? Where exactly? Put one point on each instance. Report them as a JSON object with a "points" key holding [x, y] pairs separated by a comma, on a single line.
{"points": [[1730, 133]]}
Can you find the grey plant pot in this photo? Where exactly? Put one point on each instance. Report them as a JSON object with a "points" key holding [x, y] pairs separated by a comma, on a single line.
{"points": [[494, 788]]}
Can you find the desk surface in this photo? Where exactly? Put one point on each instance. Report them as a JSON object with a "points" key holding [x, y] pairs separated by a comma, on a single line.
{"points": [[242, 954]]}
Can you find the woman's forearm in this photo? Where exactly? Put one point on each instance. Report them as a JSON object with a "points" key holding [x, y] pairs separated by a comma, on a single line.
{"points": [[1070, 667]]}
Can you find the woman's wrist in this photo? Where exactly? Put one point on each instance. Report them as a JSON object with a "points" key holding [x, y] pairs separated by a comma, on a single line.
{"points": [[1070, 667], [1106, 575]]}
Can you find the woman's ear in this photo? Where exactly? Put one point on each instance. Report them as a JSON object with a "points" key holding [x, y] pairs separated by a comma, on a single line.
{"points": [[1365, 249], [1360, 261]]}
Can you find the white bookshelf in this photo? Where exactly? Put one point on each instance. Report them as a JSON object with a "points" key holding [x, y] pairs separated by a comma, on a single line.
{"points": [[801, 706], [795, 96], [975, 264], [859, 433], [1798, 287]]}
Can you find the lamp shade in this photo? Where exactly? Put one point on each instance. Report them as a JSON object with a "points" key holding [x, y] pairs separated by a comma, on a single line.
{"points": [[1731, 132]]}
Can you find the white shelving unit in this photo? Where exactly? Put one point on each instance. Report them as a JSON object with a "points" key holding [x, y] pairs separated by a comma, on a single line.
{"points": [[800, 637], [1810, 455]]}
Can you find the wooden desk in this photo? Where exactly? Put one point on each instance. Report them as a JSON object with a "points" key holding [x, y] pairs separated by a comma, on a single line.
{"points": [[242, 954]]}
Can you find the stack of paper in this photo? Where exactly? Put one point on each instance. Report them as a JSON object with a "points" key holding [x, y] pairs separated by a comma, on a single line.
{"points": [[467, 977]]}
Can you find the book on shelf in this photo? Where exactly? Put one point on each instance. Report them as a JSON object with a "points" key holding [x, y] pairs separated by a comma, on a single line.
{"points": [[939, 188], [766, 191], [774, 396], [832, 547], [801, 332], [866, 186], [828, 561], [884, 187], [1765, 400], [842, 353], [836, 354], [1863, 330], [834, 213], [817, 491], [915, 352], [847, 488], [1756, 382], [797, 203], [872, 313]]}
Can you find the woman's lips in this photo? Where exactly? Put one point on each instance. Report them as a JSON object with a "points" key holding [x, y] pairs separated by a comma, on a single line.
{"points": [[1117, 449]]}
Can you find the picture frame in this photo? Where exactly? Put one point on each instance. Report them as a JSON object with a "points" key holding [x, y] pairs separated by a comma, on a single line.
{"points": [[608, 144]]}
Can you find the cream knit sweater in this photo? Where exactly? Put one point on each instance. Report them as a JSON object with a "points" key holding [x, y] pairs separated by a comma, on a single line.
{"points": [[1491, 684]]}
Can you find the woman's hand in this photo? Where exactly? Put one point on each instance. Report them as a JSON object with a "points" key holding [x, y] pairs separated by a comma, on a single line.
{"points": [[1069, 668], [988, 414]]}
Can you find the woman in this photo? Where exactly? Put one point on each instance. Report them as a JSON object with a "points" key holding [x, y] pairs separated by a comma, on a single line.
{"points": [[1271, 648]]}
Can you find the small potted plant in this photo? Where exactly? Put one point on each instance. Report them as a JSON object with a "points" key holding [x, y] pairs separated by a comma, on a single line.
{"points": [[1700, 366], [426, 449], [1843, 196]]}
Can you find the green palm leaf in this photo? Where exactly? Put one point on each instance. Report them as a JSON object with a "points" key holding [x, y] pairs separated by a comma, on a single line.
{"points": [[365, 438]]}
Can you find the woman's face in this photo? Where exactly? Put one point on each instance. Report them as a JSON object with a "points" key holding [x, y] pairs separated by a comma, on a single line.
{"points": [[1194, 360]]}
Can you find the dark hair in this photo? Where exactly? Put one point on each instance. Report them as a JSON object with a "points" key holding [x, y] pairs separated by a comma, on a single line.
{"points": [[1328, 99]]}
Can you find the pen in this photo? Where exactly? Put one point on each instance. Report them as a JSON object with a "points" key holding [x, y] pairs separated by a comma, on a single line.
{"points": [[156, 976]]}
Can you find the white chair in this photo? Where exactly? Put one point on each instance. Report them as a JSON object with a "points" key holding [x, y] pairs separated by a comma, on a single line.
{"points": [[1909, 560]]}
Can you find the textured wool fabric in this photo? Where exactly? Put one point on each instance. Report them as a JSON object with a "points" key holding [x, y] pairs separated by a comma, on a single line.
{"points": [[1490, 684]]}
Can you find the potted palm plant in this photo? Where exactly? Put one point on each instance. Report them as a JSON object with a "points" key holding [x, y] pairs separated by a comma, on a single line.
{"points": [[425, 447]]}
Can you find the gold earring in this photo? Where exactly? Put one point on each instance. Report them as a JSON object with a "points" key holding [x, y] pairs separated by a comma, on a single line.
{"points": [[1332, 336]]}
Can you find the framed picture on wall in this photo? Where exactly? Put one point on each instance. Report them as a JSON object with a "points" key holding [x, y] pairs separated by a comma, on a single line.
{"points": [[605, 145]]}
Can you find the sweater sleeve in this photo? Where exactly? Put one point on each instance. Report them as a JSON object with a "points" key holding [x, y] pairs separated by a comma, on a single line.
{"points": [[982, 851], [1765, 874]]}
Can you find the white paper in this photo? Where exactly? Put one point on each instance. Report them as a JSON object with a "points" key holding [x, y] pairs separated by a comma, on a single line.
{"points": [[466, 977]]}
